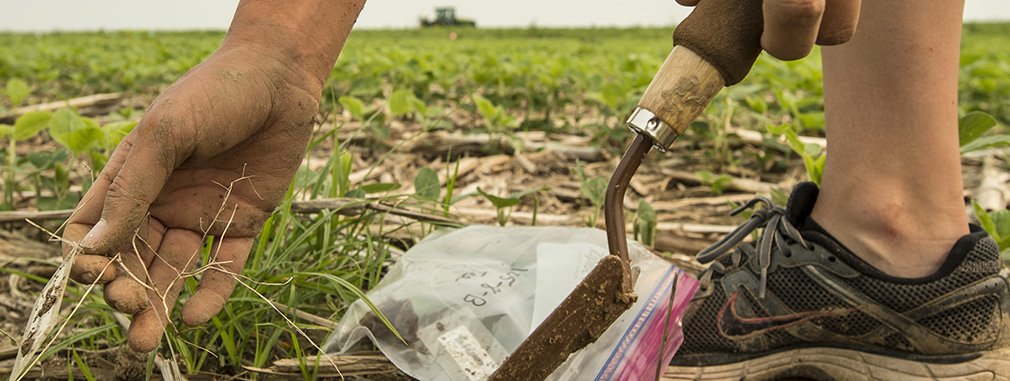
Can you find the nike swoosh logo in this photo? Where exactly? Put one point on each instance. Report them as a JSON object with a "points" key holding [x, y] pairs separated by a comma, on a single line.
{"points": [[733, 326]]}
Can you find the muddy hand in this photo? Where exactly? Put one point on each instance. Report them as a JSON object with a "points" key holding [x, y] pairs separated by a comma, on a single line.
{"points": [[792, 27], [235, 121]]}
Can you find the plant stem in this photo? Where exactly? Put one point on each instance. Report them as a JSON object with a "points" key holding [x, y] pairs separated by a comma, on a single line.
{"points": [[8, 201]]}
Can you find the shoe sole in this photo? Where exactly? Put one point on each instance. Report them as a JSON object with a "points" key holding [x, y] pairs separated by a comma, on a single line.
{"points": [[836, 364]]}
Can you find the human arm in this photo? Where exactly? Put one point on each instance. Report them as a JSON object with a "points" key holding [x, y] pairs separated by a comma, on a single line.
{"points": [[243, 114]]}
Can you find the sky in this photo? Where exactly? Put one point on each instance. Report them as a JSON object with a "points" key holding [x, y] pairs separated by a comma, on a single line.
{"points": [[81, 15]]}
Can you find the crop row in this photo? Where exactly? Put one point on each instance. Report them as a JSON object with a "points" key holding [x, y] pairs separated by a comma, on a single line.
{"points": [[539, 76]]}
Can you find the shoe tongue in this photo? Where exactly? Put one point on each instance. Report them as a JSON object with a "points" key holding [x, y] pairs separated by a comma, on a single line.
{"points": [[801, 203]]}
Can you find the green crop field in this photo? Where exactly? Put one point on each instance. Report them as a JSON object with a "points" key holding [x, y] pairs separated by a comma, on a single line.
{"points": [[509, 82], [536, 70]]}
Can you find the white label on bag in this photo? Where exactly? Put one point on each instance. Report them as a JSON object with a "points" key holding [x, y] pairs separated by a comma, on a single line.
{"points": [[469, 355]]}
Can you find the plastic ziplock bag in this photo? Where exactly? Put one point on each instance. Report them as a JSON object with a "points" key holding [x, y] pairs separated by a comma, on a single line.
{"points": [[464, 299]]}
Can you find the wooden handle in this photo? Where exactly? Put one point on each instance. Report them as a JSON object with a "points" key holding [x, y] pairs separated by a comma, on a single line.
{"points": [[715, 46], [682, 89]]}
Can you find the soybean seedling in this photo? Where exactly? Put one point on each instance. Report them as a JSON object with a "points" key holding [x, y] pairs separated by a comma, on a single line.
{"points": [[24, 127], [504, 205], [645, 223], [594, 188]]}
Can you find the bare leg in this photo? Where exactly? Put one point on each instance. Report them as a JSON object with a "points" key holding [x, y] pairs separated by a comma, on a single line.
{"points": [[892, 190]]}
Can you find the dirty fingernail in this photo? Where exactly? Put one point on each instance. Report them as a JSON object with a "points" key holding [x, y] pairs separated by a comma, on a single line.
{"points": [[95, 235]]}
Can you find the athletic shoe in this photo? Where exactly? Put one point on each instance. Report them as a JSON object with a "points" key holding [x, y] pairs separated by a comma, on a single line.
{"points": [[798, 304]]}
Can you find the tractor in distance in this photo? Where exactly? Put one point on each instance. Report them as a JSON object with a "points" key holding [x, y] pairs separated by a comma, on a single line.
{"points": [[446, 16]]}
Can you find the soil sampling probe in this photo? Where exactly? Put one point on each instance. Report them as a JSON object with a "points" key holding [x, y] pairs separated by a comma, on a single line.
{"points": [[714, 47]]}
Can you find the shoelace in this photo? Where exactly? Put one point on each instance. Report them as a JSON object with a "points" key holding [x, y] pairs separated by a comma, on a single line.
{"points": [[777, 229]]}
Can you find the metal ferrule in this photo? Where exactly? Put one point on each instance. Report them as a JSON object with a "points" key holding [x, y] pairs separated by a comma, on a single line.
{"points": [[644, 122]]}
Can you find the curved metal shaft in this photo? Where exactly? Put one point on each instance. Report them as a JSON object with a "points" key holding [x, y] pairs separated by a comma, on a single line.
{"points": [[613, 209]]}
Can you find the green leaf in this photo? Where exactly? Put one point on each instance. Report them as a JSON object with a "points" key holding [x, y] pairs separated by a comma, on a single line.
{"points": [[973, 125], [40, 160], [989, 69], [76, 337], [98, 161], [17, 90], [380, 187], [356, 193], [90, 123], [43, 160], [63, 122], [56, 203], [6, 129], [817, 172], [499, 202], [647, 221], [115, 132], [612, 94], [645, 211], [426, 185], [1005, 254], [83, 366], [717, 183], [788, 101], [811, 149], [126, 112], [778, 198], [422, 108], [30, 124], [779, 129], [813, 120], [341, 172], [87, 182], [361, 295], [595, 189], [757, 104], [485, 107], [400, 102], [705, 175], [578, 170], [528, 191], [721, 183], [985, 220], [353, 105], [812, 156], [1001, 220], [795, 143], [84, 139], [986, 142]]}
